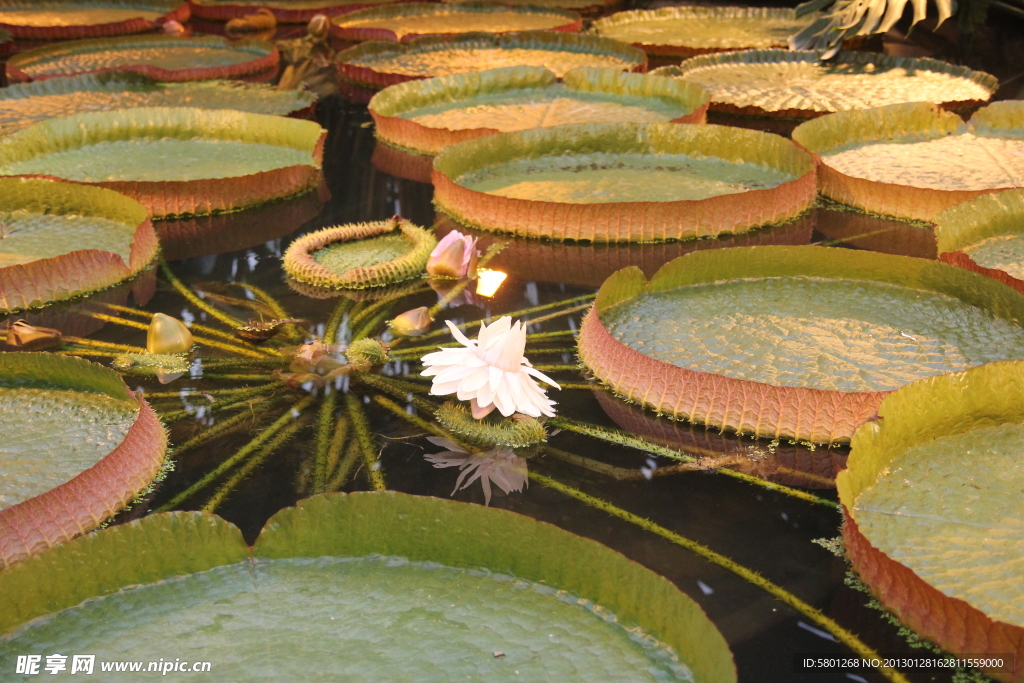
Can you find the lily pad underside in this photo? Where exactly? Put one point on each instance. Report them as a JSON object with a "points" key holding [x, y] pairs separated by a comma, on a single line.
{"points": [[360, 255], [689, 31], [798, 85], [63, 240], [648, 183], [932, 502], [427, 116], [384, 583], [915, 160], [987, 236], [78, 446], [175, 161], [164, 58], [406, 21], [378, 64], [65, 19], [792, 342], [285, 11], [25, 104]]}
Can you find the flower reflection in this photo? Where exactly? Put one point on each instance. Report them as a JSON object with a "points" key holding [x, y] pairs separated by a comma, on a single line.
{"points": [[499, 465]]}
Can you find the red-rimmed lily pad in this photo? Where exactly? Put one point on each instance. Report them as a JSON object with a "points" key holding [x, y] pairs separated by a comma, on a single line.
{"points": [[587, 8], [378, 64], [63, 240], [792, 342], [165, 58], [932, 499], [78, 446], [286, 11], [386, 585], [986, 235], [426, 116], [64, 19], [406, 21], [175, 161], [799, 85], [24, 104], [624, 182], [689, 31], [915, 160]]}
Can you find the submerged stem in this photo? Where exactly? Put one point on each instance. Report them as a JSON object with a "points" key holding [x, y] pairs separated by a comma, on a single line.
{"points": [[361, 431], [241, 398], [196, 301], [324, 439], [345, 467], [841, 634], [334, 322]]}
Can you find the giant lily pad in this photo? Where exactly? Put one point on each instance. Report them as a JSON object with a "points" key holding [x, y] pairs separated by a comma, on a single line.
{"points": [[585, 7], [688, 31], [175, 161], [286, 11], [386, 585], [932, 500], [25, 104], [360, 255], [914, 160], [798, 85], [986, 235], [77, 447], [624, 182], [379, 64], [427, 116], [62, 240], [63, 19], [165, 58], [406, 21], [792, 342]]}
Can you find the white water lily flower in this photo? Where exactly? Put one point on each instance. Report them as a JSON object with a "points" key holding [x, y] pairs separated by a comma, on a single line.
{"points": [[499, 465], [490, 372]]}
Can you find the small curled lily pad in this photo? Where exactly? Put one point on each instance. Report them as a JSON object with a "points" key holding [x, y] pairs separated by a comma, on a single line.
{"points": [[175, 161], [932, 499], [986, 235], [914, 160], [428, 115], [518, 431], [451, 584], [28, 103], [165, 58], [77, 447], [620, 182], [64, 19], [63, 240], [791, 84], [360, 255], [800, 343]]}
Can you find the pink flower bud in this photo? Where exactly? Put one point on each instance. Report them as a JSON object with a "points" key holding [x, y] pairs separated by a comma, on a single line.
{"points": [[412, 323], [454, 256], [167, 335]]}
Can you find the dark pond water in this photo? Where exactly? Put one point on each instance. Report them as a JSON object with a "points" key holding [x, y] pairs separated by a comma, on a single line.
{"points": [[763, 530]]}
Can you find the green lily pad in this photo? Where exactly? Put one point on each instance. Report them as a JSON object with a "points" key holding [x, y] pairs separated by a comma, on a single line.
{"points": [[25, 104], [62, 240], [77, 447], [366, 586], [624, 182], [688, 31], [797, 342], [429, 115], [915, 160], [165, 58], [360, 255], [986, 235], [175, 161], [286, 11], [63, 19], [798, 85], [379, 64], [933, 497], [405, 21]]}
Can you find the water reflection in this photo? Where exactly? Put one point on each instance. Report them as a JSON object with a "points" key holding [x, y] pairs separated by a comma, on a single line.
{"points": [[876, 233]]}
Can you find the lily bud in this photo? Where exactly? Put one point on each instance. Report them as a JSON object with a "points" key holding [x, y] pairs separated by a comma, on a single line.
{"points": [[318, 27], [167, 335], [27, 337], [173, 28], [454, 256], [412, 323]]}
